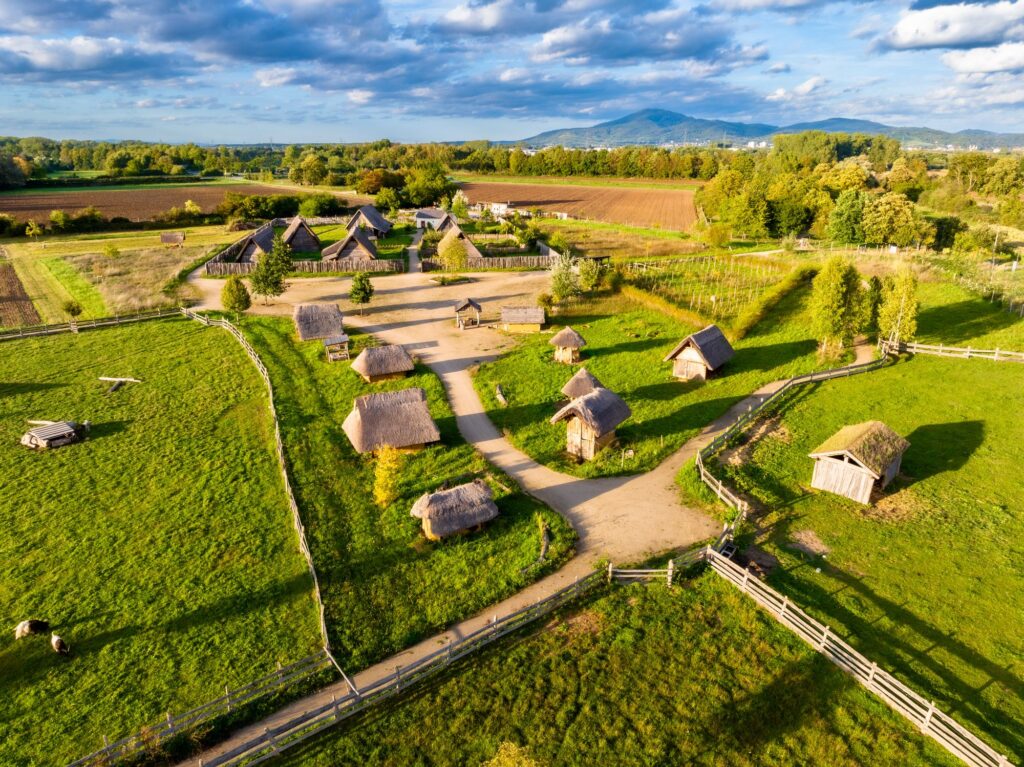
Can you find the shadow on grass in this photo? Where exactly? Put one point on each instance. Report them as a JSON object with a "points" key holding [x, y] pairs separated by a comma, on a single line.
{"points": [[107, 429], [15, 388], [940, 447], [960, 322]]}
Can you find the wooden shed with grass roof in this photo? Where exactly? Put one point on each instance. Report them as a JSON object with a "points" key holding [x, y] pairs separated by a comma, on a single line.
{"points": [[370, 219], [522, 319], [356, 244], [300, 237], [591, 421], [700, 354], [567, 343], [582, 383], [383, 363], [398, 419], [455, 510], [856, 459], [317, 321]]}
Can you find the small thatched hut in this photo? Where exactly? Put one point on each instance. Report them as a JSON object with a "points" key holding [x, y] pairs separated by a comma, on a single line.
{"points": [[370, 219], [698, 355], [467, 312], [591, 421], [455, 233], [567, 343], [582, 383], [315, 321], [522, 319], [434, 218], [460, 508], [336, 347], [259, 243], [357, 244], [300, 237], [399, 419], [382, 363], [856, 458]]}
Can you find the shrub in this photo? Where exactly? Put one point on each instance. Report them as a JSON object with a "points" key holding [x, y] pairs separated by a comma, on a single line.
{"points": [[545, 301], [315, 205], [71, 308], [362, 290], [387, 472], [589, 274], [234, 296], [453, 255], [111, 251]]}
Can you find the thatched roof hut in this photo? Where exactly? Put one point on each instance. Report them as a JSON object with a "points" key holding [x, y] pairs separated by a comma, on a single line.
{"points": [[257, 244], [455, 233], [856, 457], [522, 319], [315, 321], [467, 312], [582, 383], [357, 244], [699, 354], [591, 421], [383, 363], [299, 237], [451, 511], [368, 217], [399, 419], [567, 343]]}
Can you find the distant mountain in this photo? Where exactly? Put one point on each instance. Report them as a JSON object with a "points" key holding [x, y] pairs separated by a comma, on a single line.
{"points": [[660, 126]]}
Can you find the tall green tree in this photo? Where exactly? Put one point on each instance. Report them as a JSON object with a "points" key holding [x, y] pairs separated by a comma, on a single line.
{"points": [[891, 220], [361, 291], [836, 306], [897, 316], [845, 222], [564, 284], [268, 278], [234, 296], [389, 200]]}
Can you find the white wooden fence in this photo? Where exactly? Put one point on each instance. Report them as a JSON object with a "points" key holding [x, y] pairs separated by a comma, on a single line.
{"points": [[958, 352]]}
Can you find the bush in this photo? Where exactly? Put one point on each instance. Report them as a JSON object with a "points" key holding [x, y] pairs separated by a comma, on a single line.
{"points": [[316, 205], [545, 301], [589, 273]]}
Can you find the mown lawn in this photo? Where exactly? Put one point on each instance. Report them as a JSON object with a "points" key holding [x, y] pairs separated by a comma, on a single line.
{"points": [[161, 548], [641, 676], [626, 344], [954, 316], [384, 584]]}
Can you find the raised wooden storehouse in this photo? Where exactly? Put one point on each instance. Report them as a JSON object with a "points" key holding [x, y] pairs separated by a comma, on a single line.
{"points": [[455, 233], [434, 218], [382, 363], [399, 419], [857, 458], [591, 421], [336, 347], [582, 383], [522, 319], [357, 244], [316, 321], [461, 508], [50, 435], [567, 343], [370, 219], [172, 238], [700, 354], [259, 243], [299, 237], [467, 312]]}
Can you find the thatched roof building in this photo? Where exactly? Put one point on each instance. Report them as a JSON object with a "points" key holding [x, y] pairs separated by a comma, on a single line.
{"points": [[256, 244], [299, 237], [369, 218], [467, 312], [357, 244], [455, 233], [522, 319], [856, 457], [582, 383], [567, 343], [382, 363], [699, 354], [591, 421], [398, 419], [460, 508], [314, 321]]}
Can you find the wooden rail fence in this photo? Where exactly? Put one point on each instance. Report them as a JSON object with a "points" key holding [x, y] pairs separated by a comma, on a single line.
{"points": [[957, 352], [28, 331]]}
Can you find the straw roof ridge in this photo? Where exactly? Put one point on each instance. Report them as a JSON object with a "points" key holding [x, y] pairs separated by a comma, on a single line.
{"points": [[871, 443], [373, 218], [710, 343], [523, 315], [382, 361], [355, 235], [466, 303], [298, 222], [449, 511], [318, 321], [582, 383], [396, 418], [567, 338], [602, 410]]}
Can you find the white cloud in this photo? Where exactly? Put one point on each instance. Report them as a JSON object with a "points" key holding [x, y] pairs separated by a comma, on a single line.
{"points": [[272, 77], [1008, 57], [798, 92], [359, 96], [958, 26]]}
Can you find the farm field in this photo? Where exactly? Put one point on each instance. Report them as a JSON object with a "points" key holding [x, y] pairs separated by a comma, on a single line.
{"points": [[626, 344], [161, 548], [592, 181], [15, 305], [643, 675], [663, 208], [385, 586]]}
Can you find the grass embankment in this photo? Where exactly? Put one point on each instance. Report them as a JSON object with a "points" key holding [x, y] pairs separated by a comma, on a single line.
{"points": [[641, 676], [161, 548], [384, 584], [601, 181], [626, 343]]}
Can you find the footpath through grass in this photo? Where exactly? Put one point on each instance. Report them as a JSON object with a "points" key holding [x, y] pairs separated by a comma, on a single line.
{"points": [[384, 584], [642, 676], [161, 548]]}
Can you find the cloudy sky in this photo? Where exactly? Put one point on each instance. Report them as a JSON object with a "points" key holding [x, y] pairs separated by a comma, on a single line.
{"points": [[354, 70]]}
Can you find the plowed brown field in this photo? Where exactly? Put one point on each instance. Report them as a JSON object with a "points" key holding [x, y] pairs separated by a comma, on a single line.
{"points": [[16, 307], [665, 208]]}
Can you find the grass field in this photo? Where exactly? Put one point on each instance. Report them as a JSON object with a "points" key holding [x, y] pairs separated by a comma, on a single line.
{"points": [[384, 584], [642, 676], [161, 548], [625, 347]]}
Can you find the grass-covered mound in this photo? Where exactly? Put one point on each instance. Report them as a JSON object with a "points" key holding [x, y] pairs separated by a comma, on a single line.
{"points": [[626, 344], [161, 548], [642, 676], [384, 584]]}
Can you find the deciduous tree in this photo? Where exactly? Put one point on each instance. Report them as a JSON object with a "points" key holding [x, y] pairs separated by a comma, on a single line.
{"points": [[897, 315], [234, 296], [361, 291], [836, 306], [268, 278]]}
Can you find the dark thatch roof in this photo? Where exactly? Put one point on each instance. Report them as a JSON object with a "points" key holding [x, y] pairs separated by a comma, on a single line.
{"points": [[296, 224], [356, 242], [336, 340], [710, 343], [601, 410], [382, 361], [259, 241], [455, 233], [872, 444], [459, 508], [371, 217], [523, 315], [317, 321], [567, 338], [582, 383], [466, 303], [394, 418]]}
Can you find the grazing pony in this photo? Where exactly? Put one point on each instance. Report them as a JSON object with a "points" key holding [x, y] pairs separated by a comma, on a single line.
{"points": [[31, 626], [59, 645]]}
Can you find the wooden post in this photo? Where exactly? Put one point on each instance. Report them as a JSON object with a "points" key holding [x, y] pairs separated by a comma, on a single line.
{"points": [[824, 639], [928, 716], [871, 674], [227, 697], [609, 572], [746, 576], [785, 602], [671, 571]]}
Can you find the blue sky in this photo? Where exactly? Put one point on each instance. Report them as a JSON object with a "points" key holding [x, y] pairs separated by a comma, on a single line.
{"points": [[357, 70]]}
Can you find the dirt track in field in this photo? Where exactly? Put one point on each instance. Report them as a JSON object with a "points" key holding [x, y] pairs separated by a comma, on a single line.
{"points": [[664, 208], [16, 307]]}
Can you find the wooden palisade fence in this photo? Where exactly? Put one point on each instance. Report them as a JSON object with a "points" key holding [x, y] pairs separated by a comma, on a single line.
{"points": [[474, 264], [216, 268]]}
